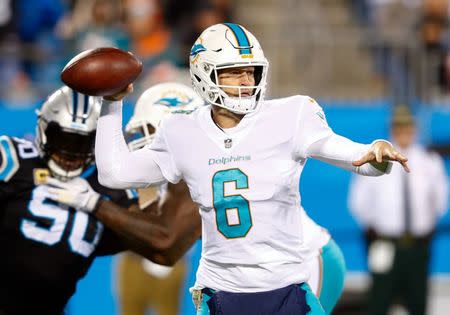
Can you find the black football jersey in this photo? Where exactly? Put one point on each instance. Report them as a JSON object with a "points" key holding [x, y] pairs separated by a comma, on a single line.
{"points": [[45, 247]]}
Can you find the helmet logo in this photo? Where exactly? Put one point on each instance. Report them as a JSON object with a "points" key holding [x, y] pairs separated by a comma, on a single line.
{"points": [[172, 101], [195, 50]]}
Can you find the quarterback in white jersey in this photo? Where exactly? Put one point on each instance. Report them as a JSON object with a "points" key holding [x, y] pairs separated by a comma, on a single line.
{"points": [[241, 157]]}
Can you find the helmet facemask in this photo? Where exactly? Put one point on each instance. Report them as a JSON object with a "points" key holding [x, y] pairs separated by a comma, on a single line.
{"points": [[140, 134], [67, 153], [240, 103]]}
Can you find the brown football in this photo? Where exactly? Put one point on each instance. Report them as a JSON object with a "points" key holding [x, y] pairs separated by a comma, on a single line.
{"points": [[101, 71]]}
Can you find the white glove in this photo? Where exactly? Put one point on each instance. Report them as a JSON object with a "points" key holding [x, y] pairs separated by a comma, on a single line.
{"points": [[76, 193]]}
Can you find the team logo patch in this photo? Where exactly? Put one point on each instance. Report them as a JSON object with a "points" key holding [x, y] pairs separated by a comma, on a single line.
{"points": [[40, 176]]}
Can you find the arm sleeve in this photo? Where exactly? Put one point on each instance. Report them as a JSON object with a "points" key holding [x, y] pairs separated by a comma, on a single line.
{"points": [[315, 139], [117, 166], [341, 152]]}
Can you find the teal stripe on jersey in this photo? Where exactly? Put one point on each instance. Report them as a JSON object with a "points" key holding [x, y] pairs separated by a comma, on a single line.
{"points": [[241, 38], [312, 301], [10, 164], [333, 276]]}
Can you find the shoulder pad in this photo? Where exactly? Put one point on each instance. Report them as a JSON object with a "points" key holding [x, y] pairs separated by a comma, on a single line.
{"points": [[9, 163]]}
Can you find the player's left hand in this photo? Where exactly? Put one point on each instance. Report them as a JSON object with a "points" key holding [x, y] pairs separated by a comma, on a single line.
{"points": [[382, 151], [76, 193]]}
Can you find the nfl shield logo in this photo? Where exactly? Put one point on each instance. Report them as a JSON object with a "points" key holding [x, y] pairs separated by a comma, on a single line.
{"points": [[228, 143]]}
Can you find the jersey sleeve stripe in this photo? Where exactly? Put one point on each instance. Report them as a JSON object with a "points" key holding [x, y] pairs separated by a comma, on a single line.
{"points": [[10, 162]]}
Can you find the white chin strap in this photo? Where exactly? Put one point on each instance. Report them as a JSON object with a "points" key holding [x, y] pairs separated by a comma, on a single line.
{"points": [[61, 174], [240, 105]]}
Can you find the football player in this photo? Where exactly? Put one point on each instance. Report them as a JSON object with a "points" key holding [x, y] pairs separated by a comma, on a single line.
{"points": [[242, 158], [325, 263], [49, 246]]}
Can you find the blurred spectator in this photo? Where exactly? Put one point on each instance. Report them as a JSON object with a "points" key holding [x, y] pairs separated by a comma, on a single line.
{"points": [[77, 18], [189, 18], [95, 23], [392, 23], [399, 213], [361, 10], [105, 28], [43, 49], [433, 24], [433, 34], [10, 68], [150, 38], [6, 18], [444, 75]]}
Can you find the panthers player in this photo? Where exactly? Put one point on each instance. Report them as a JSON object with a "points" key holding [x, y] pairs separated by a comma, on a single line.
{"points": [[241, 158], [48, 247]]}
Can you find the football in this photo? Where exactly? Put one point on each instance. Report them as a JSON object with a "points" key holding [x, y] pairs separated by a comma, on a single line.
{"points": [[101, 71]]}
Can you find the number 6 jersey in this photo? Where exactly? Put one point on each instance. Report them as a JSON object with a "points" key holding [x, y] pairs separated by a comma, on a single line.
{"points": [[46, 247], [246, 182]]}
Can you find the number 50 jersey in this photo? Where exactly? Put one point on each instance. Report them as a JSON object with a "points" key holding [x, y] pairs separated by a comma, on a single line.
{"points": [[246, 181], [46, 247]]}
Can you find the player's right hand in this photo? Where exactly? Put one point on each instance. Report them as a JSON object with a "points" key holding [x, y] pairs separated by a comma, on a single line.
{"points": [[76, 193], [382, 151], [120, 95]]}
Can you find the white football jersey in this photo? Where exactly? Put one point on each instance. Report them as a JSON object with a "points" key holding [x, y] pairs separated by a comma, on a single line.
{"points": [[246, 182]]}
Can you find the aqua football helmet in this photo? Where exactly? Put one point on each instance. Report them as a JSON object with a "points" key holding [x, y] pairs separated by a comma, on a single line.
{"points": [[151, 107], [65, 132], [224, 46]]}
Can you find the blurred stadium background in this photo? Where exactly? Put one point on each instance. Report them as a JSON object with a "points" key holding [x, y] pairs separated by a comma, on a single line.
{"points": [[358, 58]]}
